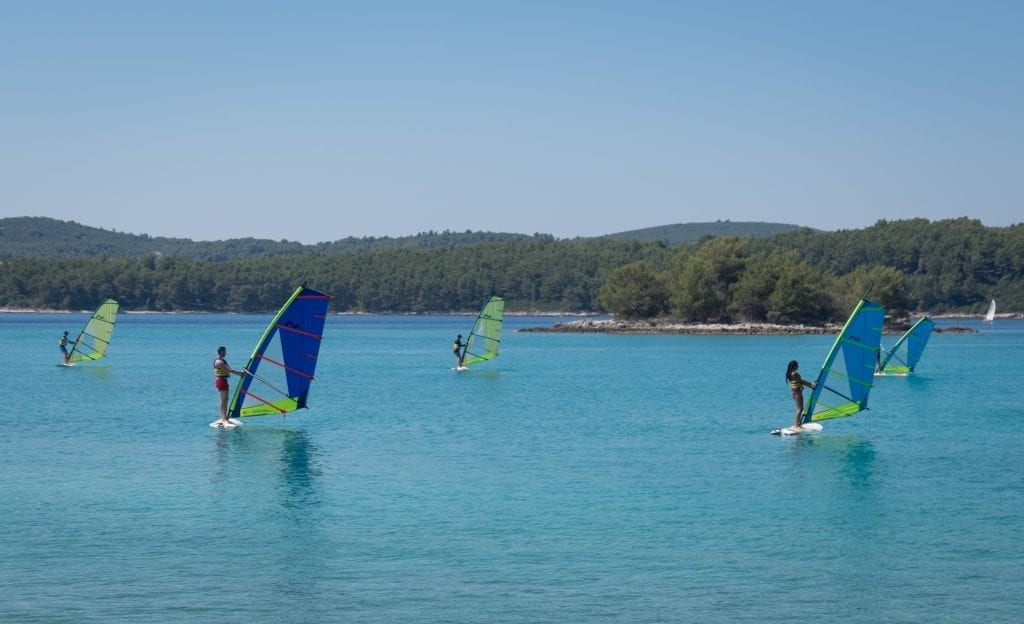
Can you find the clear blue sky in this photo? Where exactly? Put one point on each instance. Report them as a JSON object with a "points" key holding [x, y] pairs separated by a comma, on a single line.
{"points": [[313, 121]]}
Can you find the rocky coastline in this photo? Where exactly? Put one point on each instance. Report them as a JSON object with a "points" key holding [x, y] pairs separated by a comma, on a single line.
{"points": [[655, 326]]}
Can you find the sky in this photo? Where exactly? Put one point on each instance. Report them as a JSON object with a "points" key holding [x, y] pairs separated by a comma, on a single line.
{"points": [[315, 121]]}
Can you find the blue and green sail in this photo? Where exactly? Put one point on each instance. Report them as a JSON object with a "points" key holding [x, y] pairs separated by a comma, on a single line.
{"points": [[93, 340], [485, 337], [847, 375], [907, 351], [281, 368]]}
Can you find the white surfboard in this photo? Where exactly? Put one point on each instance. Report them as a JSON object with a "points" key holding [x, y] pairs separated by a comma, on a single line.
{"points": [[804, 428], [222, 425], [69, 364], [461, 368]]}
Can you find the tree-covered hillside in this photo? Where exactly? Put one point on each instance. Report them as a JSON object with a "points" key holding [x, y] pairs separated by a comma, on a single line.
{"points": [[545, 275], [955, 265], [803, 276], [693, 233], [41, 237]]}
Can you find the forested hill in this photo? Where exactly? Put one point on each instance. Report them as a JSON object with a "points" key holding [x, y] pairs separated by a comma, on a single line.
{"points": [[41, 237], [802, 276], [690, 233]]}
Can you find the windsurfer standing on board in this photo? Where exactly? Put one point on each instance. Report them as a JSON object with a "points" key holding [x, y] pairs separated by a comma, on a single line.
{"points": [[796, 387], [221, 372], [457, 350], [63, 344]]}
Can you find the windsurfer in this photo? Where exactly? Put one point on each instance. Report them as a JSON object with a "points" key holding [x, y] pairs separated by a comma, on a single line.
{"points": [[457, 350], [796, 387], [63, 344], [221, 372]]}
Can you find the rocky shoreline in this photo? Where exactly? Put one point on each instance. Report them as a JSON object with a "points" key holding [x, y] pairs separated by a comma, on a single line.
{"points": [[668, 327]]}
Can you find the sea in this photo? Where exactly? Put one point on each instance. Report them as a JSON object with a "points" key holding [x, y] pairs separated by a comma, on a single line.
{"points": [[574, 478]]}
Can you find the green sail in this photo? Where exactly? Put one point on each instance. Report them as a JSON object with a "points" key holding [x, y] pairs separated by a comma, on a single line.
{"points": [[93, 340], [485, 337]]}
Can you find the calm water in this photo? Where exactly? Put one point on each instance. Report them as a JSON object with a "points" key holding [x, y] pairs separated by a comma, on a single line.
{"points": [[577, 478]]}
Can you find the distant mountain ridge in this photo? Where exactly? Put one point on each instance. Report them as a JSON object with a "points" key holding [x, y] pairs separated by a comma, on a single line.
{"points": [[44, 237], [690, 233]]}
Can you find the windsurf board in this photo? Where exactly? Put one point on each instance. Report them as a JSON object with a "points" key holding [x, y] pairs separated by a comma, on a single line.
{"points": [[804, 428]]}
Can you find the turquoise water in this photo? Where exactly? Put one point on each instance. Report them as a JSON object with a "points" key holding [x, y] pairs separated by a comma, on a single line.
{"points": [[577, 478]]}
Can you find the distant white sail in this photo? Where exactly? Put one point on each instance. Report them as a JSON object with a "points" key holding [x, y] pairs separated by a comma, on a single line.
{"points": [[991, 314]]}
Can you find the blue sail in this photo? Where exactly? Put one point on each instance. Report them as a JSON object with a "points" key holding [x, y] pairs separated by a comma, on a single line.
{"points": [[282, 365], [846, 377], [907, 351]]}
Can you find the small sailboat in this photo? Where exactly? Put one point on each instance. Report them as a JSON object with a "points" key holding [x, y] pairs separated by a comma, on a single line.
{"points": [[280, 370], [847, 375], [93, 340], [485, 337], [907, 351], [991, 314]]}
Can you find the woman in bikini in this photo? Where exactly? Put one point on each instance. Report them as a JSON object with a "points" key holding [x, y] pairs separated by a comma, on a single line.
{"points": [[796, 387]]}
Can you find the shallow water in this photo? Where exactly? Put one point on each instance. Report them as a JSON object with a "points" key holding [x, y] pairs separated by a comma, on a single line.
{"points": [[575, 478]]}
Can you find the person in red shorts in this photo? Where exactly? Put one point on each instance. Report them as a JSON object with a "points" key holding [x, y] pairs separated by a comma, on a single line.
{"points": [[221, 372]]}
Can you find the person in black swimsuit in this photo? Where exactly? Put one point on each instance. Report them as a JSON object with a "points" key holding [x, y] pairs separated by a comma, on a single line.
{"points": [[457, 350]]}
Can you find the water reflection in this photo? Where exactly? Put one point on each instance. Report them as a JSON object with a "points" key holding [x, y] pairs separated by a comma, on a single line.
{"points": [[270, 478], [298, 469], [272, 458], [850, 456], [92, 370], [856, 456]]}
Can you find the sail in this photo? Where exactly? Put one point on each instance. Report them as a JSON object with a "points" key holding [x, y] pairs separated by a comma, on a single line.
{"points": [[907, 351], [991, 314], [485, 336], [848, 372], [280, 369], [93, 340]]}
